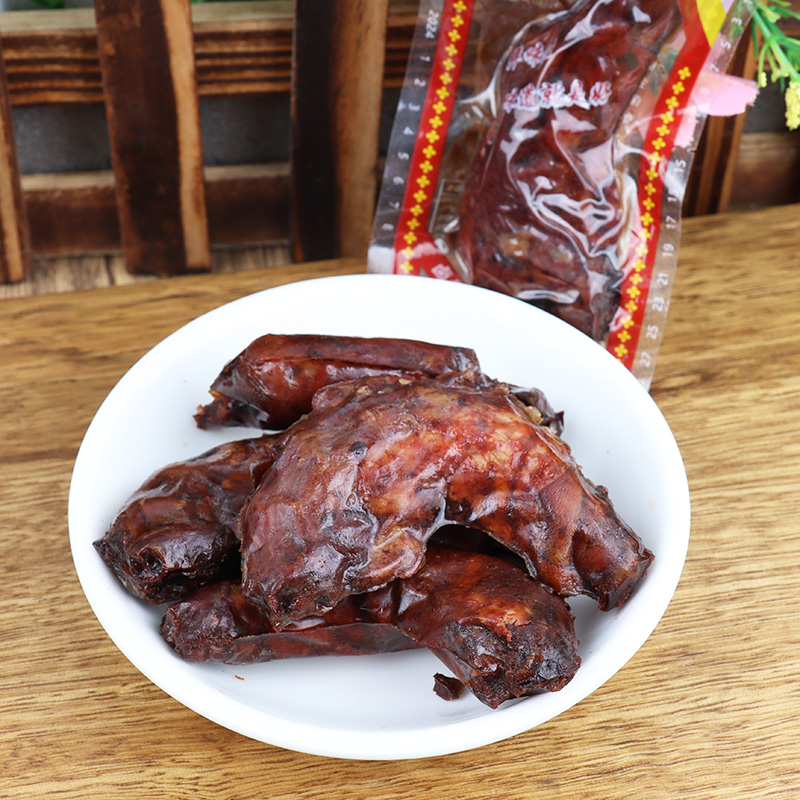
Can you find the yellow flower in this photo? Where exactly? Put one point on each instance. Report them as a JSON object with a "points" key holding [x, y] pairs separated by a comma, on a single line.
{"points": [[792, 96]]}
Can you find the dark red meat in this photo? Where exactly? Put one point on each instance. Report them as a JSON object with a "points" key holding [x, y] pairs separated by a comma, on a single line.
{"points": [[542, 211], [218, 623], [271, 382], [447, 687], [366, 478], [499, 631], [178, 531]]}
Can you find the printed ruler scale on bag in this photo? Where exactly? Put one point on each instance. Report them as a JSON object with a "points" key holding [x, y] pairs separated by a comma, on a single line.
{"points": [[415, 251], [645, 286]]}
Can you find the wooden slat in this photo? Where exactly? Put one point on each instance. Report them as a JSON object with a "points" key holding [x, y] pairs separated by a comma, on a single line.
{"points": [[15, 252], [146, 54], [711, 183], [248, 204], [767, 166], [358, 46], [76, 213], [72, 213], [338, 57], [240, 48], [313, 198]]}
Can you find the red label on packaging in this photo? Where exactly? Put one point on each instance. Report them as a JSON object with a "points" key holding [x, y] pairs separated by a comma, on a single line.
{"points": [[415, 251], [657, 149]]}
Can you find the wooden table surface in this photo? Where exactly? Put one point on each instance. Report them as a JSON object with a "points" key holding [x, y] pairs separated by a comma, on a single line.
{"points": [[708, 708]]}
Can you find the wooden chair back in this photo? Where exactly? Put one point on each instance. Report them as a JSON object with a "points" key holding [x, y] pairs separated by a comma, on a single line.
{"points": [[150, 62]]}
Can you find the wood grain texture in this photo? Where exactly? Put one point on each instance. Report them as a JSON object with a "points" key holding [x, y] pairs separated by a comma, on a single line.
{"points": [[335, 105], [15, 249], [154, 131], [57, 274], [240, 48], [71, 213], [713, 174], [708, 707], [767, 166], [357, 59], [313, 215]]}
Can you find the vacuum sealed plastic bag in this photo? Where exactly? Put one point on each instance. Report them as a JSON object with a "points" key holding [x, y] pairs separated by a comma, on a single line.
{"points": [[542, 149]]}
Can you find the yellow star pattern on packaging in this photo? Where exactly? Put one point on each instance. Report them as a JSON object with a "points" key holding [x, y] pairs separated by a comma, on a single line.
{"points": [[432, 131], [633, 293]]}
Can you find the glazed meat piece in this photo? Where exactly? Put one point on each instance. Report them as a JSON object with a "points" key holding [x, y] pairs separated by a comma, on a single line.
{"points": [[177, 532], [271, 382], [499, 631], [447, 687], [366, 478], [536, 401], [218, 623], [542, 212]]}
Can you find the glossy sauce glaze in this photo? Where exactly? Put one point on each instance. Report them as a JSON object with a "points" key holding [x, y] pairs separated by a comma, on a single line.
{"points": [[366, 478], [179, 530], [270, 384], [542, 213]]}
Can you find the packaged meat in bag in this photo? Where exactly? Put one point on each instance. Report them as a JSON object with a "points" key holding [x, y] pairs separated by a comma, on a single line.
{"points": [[543, 152]]}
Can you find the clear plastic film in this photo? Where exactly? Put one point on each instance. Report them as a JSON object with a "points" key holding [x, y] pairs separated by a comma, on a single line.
{"points": [[542, 149]]}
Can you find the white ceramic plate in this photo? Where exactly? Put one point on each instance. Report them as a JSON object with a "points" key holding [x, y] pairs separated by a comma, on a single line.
{"points": [[382, 706]]}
